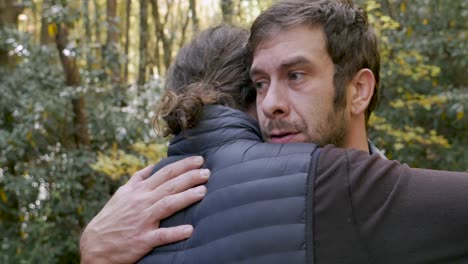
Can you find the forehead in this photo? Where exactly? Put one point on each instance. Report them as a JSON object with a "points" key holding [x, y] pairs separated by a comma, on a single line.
{"points": [[304, 41]]}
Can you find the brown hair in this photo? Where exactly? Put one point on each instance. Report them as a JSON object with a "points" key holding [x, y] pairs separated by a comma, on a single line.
{"points": [[350, 42], [209, 70]]}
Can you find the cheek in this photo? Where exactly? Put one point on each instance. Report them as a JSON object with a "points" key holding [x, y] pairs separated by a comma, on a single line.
{"points": [[311, 113], [304, 104], [260, 116], [258, 100]]}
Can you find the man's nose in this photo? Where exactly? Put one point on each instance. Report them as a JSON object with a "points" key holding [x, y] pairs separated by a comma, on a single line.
{"points": [[275, 103]]}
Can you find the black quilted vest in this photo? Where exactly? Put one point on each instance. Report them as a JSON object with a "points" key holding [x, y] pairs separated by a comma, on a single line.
{"points": [[258, 208]]}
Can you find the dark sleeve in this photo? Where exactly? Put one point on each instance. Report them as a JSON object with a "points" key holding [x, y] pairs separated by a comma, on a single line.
{"points": [[402, 214], [336, 237]]}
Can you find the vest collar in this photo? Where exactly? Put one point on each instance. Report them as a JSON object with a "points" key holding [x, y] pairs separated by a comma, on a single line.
{"points": [[218, 125]]}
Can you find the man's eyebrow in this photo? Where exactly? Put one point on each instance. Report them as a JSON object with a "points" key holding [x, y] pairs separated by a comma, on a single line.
{"points": [[294, 61], [255, 71], [287, 63]]}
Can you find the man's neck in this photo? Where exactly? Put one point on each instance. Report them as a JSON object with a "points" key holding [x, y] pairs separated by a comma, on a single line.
{"points": [[357, 136]]}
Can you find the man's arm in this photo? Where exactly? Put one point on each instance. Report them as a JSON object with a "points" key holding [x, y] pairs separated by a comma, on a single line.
{"points": [[127, 227], [409, 215], [380, 211]]}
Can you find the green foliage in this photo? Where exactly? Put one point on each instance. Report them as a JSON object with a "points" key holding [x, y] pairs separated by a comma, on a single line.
{"points": [[117, 163], [421, 118], [48, 190], [50, 187]]}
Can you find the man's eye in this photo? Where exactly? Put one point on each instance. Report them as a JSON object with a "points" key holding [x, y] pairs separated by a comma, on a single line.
{"points": [[295, 75], [259, 85]]}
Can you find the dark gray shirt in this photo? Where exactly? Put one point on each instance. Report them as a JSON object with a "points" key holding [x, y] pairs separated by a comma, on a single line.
{"points": [[371, 210]]}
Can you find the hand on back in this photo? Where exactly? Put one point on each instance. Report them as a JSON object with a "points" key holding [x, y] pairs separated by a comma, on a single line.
{"points": [[127, 227]]}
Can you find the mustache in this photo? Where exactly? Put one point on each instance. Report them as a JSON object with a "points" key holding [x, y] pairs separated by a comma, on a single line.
{"points": [[280, 125]]}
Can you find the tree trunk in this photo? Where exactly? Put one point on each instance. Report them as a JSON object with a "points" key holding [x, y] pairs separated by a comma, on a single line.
{"points": [[72, 78], [184, 28], [227, 8], [157, 55], [128, 6], [159, 37], [88, 41], [195, 22], [167, 56], [143, 42], [111, 48], [166, 41], [45, 38], [97, 22], [9, 12], [98, 54]]}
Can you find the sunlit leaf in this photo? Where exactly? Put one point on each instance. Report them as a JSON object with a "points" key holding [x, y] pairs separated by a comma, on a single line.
{"points": [[52, 30], [403, 7], [409, 31], [3, 195]]}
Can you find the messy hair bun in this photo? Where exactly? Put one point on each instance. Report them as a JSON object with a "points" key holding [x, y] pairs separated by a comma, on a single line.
{"points": [[209, 70], [183, 111]]}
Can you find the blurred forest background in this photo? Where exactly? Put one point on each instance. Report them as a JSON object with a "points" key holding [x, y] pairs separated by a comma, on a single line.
{"points": [[79, 81]]}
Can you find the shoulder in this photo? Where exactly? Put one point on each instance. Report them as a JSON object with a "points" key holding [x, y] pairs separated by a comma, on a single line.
{"points": [[166, 161], [254, 154]]}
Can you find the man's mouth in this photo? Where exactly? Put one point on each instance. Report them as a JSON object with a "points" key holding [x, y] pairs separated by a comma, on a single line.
{"points": [[282, 137]]}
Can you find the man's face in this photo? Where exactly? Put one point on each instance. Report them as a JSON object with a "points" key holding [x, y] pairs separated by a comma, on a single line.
{"points": [[293, 75]]}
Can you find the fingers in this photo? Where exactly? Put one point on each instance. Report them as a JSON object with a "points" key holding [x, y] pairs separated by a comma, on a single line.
{"points": [[181, 183], [173, 170], [171, 204], [141, 174], [168, 206], [163, 236]]}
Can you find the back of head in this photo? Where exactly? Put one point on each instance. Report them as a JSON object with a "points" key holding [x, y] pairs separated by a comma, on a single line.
{"points": [[350, 42], [209, 70]]}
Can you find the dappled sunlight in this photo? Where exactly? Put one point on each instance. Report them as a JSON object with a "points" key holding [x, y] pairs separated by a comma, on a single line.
{"points": [[80, 85]]}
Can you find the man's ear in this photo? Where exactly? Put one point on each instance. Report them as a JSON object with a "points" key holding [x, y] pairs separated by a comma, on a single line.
{"points": [[362, 90]]}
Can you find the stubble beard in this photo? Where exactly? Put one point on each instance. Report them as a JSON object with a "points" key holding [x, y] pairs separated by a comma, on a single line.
{"points": [[282, 125], [333, 130]]}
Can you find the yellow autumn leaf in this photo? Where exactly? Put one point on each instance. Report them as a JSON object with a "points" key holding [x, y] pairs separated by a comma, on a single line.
{"points": [[460, 115], [426, 104], [372, 5], [397, 103], [403, 7], [409, 32], [376, 120], [117, 163], [23, 235], [419, 129], [425, 21], [412, 135], [398, 146], [3, 196], [153, 152], [52, 30]]}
